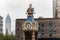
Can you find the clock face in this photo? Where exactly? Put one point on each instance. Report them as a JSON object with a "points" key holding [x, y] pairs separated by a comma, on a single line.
{"points": [[28, 25]]}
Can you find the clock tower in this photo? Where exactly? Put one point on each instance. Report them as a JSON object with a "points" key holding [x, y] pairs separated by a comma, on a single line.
{"points": [[30, 26]]}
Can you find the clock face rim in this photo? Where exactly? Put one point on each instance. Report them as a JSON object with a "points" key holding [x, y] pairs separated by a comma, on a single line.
{"points": [[27, 25]]}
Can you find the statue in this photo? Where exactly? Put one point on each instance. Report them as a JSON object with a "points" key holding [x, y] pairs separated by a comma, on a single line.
{"points": [[30, 9]]}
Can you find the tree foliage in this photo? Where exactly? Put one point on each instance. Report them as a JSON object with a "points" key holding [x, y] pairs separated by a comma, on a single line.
{"points": [[7, 37]]}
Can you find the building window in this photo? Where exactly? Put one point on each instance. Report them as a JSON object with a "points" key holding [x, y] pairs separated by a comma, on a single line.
{"points": [[41, 30], [50, 35], [52, 30], [56, 13], [18, 36], [17, 29]]}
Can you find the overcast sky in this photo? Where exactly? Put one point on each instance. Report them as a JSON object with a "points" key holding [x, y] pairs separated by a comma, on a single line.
{"points": [[17, 9]]}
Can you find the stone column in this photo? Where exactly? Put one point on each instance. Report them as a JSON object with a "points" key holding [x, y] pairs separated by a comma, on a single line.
{"points": [[33, 36], [23, 36]]}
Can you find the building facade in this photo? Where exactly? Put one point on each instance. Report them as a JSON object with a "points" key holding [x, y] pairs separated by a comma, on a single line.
{"points": [[1, 24], [49, 28], [34, 28], [8, 24], [56, 8]]}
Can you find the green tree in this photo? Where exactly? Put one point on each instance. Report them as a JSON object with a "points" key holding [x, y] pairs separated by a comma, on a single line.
{"points": [[7, 37]]}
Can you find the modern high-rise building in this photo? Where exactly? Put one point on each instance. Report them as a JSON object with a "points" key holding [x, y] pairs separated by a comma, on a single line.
{"points": [[56, 8], [8, 24], [1, 24]]}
